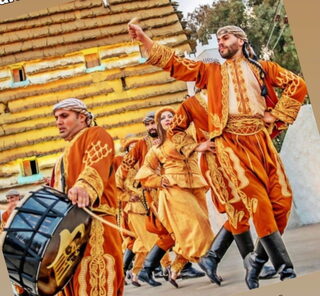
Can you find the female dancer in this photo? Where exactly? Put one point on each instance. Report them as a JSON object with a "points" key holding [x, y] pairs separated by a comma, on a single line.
{"points": [[181, 205]]}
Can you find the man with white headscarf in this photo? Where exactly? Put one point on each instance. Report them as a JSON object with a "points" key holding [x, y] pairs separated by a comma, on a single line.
{"points": [[84, 172], [243, 111]]}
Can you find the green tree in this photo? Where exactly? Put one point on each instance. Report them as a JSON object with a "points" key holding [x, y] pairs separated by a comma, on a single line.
{"points": [[264, 21]]}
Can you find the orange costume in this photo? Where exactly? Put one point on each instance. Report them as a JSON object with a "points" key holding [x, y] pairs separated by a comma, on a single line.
{"points": [[186, 190], [134, 158], [246, 168], [87, 163]]}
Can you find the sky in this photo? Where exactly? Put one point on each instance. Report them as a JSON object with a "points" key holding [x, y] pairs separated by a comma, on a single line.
{"points": [[189, 5]]}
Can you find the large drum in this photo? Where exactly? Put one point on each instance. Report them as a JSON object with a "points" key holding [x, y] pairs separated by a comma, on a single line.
{"points": [[44, 240]]}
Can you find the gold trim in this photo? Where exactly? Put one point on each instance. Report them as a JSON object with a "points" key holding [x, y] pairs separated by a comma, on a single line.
{"points": [[244, 124], [286, 109], [160, 55], [101, 266], [219, 126], [95, 153], [91, 181], [202, 101]]}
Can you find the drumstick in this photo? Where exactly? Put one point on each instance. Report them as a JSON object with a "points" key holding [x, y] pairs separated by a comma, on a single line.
{"points": [[109, 223]]}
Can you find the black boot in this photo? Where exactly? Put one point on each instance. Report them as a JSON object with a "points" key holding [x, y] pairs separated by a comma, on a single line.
{"points": [[272, 247], [244, 243], [150, 263], [275, 248], [209, 262], [127, 260], [189, 272], [267, 271], [253, 263], [245, 246]]}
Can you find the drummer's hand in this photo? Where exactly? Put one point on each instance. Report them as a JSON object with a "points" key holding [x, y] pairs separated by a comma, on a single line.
{"points": [[79, 196]]}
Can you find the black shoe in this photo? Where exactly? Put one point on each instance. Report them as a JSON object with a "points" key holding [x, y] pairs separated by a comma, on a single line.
{"points": [[277, 252], [127, 260], [150, 263], [253, 266], [209, 265], [267, 272], [189, 272], [209, 262], [287, 273], [145, 275], [135, 283], [170, 279], [158, 272]]}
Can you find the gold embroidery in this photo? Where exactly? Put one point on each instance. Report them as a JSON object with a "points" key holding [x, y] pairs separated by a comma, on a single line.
{"points": [[239, 85], [176, 121], [224, 102], [160, 55], [244, 124], [284, 183], [215, 179], [128, 162], [215, 119], [99, 265], [202, 102], [95, 153], [237, 179], [289, 82], [189, 64], [90, 180], [234, 215], [82, 276], [251, 204], [286, 109]]}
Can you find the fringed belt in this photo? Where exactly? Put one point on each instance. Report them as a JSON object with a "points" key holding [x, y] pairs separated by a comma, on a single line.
{"points": [[244, 124]]}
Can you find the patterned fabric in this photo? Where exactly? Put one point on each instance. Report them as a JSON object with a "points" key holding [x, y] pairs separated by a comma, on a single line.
{"points": [[75, 105], [87, 163], [236, 31]]}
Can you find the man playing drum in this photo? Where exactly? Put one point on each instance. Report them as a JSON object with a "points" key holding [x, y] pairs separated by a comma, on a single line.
{"points": [[84, 172]]}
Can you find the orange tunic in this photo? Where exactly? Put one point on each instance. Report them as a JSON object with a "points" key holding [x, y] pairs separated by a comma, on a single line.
{"points": [[87, 162], [195, 109], [247, 169]]}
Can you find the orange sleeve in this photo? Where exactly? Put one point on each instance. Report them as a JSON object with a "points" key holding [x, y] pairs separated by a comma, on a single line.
{"points": [[293, 94], [179, 68], [97, 163]]}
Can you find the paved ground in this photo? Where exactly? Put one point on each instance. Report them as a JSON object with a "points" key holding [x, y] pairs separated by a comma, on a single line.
{"points": [[302, 244]]}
